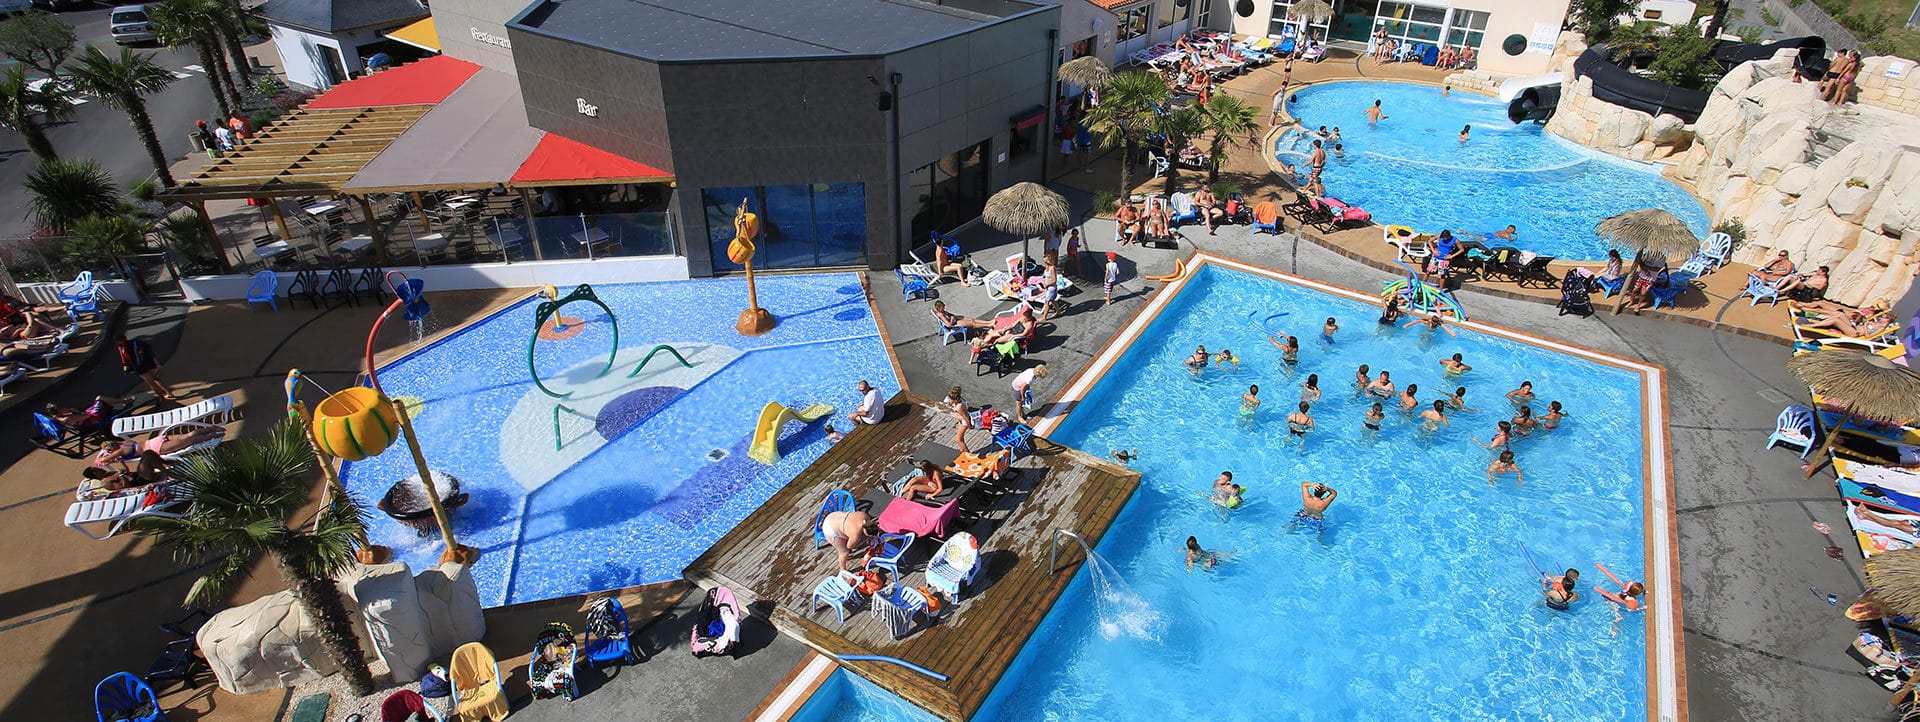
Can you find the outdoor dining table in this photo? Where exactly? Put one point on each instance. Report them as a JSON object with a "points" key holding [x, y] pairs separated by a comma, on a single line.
{"points": [[356, 244], [323, 208], [270, 251], [430, 243], [597, 236]]}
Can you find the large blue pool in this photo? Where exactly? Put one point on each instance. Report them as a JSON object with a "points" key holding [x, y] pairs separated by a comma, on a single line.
{"points": [[1411, 169], [1418, 602], [625, 480]]}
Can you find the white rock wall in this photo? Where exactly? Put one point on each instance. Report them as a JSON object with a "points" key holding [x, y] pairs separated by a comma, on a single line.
{"points": [[1857, 211], [1603, 126], [269, 643]]}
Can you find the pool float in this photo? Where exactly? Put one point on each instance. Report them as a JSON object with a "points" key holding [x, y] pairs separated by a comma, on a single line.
{"points": [[1179, 271], [355, 423], [766, 432]]}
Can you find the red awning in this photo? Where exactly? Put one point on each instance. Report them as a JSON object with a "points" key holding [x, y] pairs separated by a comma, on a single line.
{"points": [[560, 161], [422, 82]]}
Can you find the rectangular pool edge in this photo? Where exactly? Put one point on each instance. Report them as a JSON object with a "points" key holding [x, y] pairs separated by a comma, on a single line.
{"points": [[1666, 651]]}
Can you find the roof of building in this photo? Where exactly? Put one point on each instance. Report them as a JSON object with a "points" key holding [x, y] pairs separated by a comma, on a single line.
{"points": [[331, 16], [677, 30]]}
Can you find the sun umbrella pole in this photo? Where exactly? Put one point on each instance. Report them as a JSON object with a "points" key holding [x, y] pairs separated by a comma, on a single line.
{"points": [[1833, 437]]}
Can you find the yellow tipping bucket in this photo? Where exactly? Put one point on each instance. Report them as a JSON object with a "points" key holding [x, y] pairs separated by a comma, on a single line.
{"points": [[355, 423]]}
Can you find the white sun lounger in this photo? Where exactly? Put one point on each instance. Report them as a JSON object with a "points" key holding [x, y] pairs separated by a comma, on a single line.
{"points": [[19, 372], [189, 427], [127, 427], [118, 511]]}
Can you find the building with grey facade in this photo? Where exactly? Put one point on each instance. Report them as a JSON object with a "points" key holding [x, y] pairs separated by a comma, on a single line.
{"points": [[854, 127]]}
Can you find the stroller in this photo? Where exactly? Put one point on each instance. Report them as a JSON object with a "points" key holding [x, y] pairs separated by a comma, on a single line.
{"points": [[550, 673], [717, 627], [1236, 210], [1574, 291]]}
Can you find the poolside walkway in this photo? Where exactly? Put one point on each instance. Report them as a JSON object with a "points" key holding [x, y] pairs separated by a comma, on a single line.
{"points": [[771, 559]]}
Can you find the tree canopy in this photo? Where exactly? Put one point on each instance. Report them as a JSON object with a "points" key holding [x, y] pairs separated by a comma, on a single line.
{"points": [[40, 40]]}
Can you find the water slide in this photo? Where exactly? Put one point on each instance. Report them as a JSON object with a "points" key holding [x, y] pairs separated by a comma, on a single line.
{"points": [[766, 433], [1512, 87]]}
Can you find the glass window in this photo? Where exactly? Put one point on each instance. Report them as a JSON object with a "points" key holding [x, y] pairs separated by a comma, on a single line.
{"points": [[1024, 140], [823, 224], [1467, 29], [1134, 23], [1172, 12], [948, 192], [1407, 22]]}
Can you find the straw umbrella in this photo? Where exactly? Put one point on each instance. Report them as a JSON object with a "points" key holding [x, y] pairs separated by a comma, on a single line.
{"points": [[1865, 385], [1313, 11], [1648, 229], [1026, 210], [1893, 581], [1086, 72]]}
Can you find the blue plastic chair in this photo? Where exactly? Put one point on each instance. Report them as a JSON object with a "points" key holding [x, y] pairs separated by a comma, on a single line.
{"points": [[1677, 282], [600, 650], [892, 548], [262, 290], [1176, 216], [948, 333], [84, 303], [81, 284], [1795, 427], [126, 697], [836, 591], [1610, 286], [837, 500], [1016, 439], [1758, 288], [911, 286]]}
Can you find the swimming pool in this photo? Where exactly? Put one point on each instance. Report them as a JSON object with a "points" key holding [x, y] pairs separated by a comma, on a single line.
{"points": [[625, 480], [1411, 169]]}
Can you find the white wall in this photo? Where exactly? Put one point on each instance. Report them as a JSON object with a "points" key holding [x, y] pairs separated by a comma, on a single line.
{"points": [[529, 274], [300, 53], [1517, 17], [1080, 19]]}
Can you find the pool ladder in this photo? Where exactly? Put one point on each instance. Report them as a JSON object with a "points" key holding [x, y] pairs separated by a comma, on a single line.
{"points": [[1053, 551]]}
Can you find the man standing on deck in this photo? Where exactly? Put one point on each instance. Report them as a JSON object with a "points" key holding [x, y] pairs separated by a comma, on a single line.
{"points": [[1319, 161]]}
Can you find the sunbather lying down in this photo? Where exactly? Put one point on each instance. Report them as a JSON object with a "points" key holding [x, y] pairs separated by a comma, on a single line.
{"points": [[1872, 320], [160, 443]]}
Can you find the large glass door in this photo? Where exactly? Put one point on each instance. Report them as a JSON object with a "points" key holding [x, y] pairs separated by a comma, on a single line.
{"points": [[948, 192]]}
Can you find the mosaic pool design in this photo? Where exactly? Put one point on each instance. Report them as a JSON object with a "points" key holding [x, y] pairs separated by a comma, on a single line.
{"points": [[630, 477]]}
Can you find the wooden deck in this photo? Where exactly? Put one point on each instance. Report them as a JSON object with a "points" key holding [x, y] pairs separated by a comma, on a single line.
{"points": [[770, 559]]}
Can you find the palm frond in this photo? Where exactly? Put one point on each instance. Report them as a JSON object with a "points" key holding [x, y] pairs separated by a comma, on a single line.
{"points": [[217, 579]]}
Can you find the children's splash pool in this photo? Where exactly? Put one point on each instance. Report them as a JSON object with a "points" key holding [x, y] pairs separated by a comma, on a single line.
{"points": [[1411, 169], [1418, 601], [629, 476]]}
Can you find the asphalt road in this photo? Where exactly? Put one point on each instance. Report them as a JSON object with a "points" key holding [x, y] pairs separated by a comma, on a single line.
{"points": [[102, 133]]}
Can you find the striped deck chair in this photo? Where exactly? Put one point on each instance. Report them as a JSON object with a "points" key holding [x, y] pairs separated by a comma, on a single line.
{"points": [[127, 427]]}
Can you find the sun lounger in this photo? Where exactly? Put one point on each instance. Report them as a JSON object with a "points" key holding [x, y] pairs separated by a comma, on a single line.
{"points": [[1337, 215], [119, 511], [19, 372], [1759, 288], [190, 427], [43, 360], [127, 427]]}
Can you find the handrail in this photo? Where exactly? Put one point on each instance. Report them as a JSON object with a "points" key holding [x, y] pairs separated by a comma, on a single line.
{"points": [[1053, 550]]}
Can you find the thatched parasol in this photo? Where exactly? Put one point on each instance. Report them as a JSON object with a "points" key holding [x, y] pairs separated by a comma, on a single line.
{"points": [[1893, 580], [1087, 72], [1314, 11], [1865, 385], [1027, 210], [1649, 230]]}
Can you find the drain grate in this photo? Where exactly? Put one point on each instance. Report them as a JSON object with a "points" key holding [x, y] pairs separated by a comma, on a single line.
{"points": [[716, 454]]}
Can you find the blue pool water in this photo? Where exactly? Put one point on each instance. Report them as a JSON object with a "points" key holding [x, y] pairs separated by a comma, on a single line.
{"points": [[846, 697], [641, 474], [1411, 169]]}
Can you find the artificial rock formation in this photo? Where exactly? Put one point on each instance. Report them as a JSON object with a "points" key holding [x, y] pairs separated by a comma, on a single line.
{"points": [[403, 620], [1831, 185], [1609, 128]]}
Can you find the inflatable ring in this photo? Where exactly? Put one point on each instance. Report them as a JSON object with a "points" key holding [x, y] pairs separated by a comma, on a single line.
{"points": [[546, 310], [1179, 271]]}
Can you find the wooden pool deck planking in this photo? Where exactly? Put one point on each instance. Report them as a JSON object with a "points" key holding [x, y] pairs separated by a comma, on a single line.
{"points": [[771, 562]]}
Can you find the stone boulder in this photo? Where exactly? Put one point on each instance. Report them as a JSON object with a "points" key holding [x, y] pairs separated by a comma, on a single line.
{"points": [[269, 643], [1667, 129], [451, 602], [391, 617]]}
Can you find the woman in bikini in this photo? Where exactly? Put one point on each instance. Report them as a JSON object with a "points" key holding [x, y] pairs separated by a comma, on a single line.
{"points": [[1500, 438], [1289, 349], [1299, 423], [1250, 402], [928, 484], [1157, 220], [1523, 421], [847, 531], [1373, 417], [1505, 465], [1310, 389], [1521, 396], [958, 407], [1198, 360], [954, 320], [1407, 401], [1857, 325]]}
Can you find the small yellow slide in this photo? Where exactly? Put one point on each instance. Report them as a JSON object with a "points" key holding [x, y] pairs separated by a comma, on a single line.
{"points": [[766, 433]]}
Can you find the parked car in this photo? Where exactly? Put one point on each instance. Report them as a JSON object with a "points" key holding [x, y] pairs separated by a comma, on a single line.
{"points": [[9, 7], [130, 24]]}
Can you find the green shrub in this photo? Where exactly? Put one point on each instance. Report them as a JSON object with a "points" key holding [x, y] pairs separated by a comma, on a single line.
{"points": [[1750, 34], [1224, 190], [1735, 229], [1105, 203], [144, 189]]}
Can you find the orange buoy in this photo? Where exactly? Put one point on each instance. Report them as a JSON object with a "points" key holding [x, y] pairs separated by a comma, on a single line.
{"points": [[355, 423]]}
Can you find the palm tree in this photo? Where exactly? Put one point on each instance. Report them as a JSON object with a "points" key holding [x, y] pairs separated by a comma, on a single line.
{"points": [[181, 23], [65, 191], [1230, 120], [244, 493], [124, 82], [1128, 106], [30, 110], [1179, 127], [233, 22]]}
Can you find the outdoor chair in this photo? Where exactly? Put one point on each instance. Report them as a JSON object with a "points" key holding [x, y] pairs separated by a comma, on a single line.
{"points": [[85, 302], [1501, 261], [62, 439], [911, 286], [1536, 273], [262, 288], [478, 692], [181, 659], [1795, 427], [122, 697], [1759, 288], [889, 550], [948, 333], [1266, 218], [1717, 249], [339, 284], [899, 607], [836, 591], [603, 648], [1610, 285], [80, 284], [1670, 286], [370, 282], [955, 565], [837, 500], [306, 284]]}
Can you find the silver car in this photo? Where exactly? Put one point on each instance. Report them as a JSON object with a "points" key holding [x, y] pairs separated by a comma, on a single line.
{"points": [[130, 24]]}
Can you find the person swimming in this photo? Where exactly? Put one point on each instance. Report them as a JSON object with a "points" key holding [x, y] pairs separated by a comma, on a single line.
{"points": [[1455, 366], [1501, 438], [1310, 389], [1299, 423], [1373, 417], [1196, 555], [1391, 313], [1381, 387], [1289, 348], [1505, 464], [1551, 420], [1327, 329], [1225, 494], [1250, 401], [1226, 357], [1458, 401], [1124, 456], [1559, 591], [1407, 400], [1523, 421], [1198, 360], [1463, 132], [1629, 597], [1314, 500], [1521, 396], [1432, 322], [1432, 419], [1361, 380]]}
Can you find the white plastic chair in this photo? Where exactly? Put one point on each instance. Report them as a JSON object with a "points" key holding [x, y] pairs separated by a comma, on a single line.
{"points": [[1718, 248], [1795, 428]]}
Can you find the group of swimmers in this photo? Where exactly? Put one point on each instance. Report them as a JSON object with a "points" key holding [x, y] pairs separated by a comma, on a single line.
{"points": [[1315, 497], [1562, 590]]}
